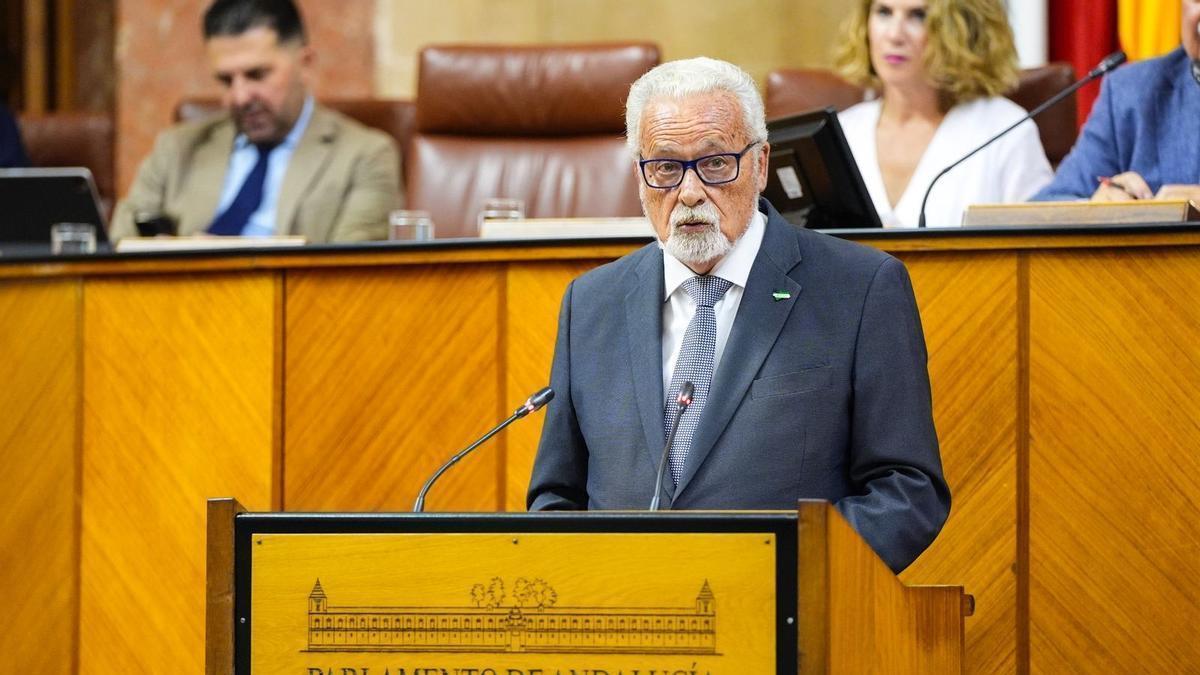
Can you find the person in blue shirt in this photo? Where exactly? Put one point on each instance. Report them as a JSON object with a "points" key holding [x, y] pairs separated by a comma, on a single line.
{"points": [[1140, 139], [12, 150]]}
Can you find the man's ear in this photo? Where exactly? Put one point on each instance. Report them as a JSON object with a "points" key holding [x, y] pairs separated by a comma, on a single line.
{"points": [[764, 161], [306, 57]]}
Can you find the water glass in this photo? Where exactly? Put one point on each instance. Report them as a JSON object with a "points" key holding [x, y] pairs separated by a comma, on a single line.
{"points": [[407, 225], [72, 238]]}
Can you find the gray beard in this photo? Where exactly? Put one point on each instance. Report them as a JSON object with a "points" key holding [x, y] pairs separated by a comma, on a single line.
{"points": [[697, 248], [1196, 70]]}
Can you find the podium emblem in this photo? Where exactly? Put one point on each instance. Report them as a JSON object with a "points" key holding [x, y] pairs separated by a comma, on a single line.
{"points": [[527, 619]]}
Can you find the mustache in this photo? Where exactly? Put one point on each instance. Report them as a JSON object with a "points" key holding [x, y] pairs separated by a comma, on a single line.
{"points": [[683, 214], [249, 108]]}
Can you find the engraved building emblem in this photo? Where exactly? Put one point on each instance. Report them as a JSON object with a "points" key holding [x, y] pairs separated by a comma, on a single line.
{"points": [[528, 619]]}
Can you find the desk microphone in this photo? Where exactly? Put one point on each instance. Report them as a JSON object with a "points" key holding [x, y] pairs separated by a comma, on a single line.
{"points": [[1111, 61], [533, 403], [683, 401]]}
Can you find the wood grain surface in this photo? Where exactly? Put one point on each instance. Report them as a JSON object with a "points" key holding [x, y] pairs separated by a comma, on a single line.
{"points": [[968, 306], [389, 373], [1114, 468], [854, 616], [39, 513], [179, 396], [534, 295], [1065, 381]]}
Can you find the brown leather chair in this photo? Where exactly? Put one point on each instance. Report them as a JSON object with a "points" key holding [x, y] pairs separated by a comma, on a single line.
{"points": [[395, 117], [74, 139], [797, 90], [544, 124]]}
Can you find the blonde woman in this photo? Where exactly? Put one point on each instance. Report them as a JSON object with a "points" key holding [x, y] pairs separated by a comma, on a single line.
{"points": [[937, 69]]}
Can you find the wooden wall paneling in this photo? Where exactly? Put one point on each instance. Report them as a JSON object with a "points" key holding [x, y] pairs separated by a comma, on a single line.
{"points": [[535, 292], [758, 35], [36, 67], [180, 395], [1114, 470], [968, 304], [39, 515], [391, 371]]}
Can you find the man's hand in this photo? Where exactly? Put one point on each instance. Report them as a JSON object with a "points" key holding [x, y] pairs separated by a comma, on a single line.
{"points": [[1121, 188]]}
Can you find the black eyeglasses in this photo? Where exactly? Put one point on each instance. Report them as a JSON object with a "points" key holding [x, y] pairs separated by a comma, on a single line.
{"points": [[664, 174]]}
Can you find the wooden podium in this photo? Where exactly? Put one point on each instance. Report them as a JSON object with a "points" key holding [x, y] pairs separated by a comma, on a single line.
{"points": [[600, 593]]}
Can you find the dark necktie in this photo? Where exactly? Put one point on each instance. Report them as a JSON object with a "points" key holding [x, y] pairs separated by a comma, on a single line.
{"points": [[234, 218], [694, 364]]}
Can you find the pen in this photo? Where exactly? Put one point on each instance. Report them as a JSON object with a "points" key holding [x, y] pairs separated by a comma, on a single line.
{"points": [[1107, 180]]}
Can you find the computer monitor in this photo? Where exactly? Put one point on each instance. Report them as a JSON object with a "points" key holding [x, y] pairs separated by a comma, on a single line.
{"points": [[32, 200], [813, 179]]}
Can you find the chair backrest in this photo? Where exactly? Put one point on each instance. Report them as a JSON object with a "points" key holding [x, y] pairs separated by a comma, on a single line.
{"points": [[793, 91], [74, 139], [395, 117], [544, 124], [1057, 125]]}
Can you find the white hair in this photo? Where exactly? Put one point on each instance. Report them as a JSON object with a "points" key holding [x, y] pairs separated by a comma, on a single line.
{"points": [[677, 80]]}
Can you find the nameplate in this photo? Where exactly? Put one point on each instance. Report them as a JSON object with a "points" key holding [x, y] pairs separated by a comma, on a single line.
{"points": [[1082, 213], [525, 603]]}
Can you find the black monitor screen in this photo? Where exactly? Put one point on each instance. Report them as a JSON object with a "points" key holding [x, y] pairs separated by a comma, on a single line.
{"points": [[33, 200], [813, 180]]}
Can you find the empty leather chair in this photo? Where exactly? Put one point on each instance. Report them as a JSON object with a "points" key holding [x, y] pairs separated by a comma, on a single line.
{"points": [[544, 124], [792, 91], [74, 139]]}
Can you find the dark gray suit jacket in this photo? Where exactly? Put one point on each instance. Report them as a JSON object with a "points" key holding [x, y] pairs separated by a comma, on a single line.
{"points": [[823, 395]]}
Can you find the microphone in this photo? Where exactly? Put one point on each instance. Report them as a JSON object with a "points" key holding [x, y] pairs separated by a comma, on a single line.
{"points": [[534, 403], [1108, 63], [683, 401]]}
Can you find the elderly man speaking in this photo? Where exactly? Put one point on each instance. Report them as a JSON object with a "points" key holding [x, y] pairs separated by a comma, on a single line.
{"points": [[805, 351]]}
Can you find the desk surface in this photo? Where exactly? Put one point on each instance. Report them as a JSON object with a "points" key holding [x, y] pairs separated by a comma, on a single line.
{"points": [[33, 263]]}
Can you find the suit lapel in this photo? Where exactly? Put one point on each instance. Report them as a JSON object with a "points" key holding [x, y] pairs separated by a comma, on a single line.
{"points": [[759, 320], [307, 162], [643, 322], [211, 162]]}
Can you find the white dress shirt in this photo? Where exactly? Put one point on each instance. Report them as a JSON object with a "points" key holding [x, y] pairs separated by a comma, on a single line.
{"points": [[679, 308], [1012, 169]]}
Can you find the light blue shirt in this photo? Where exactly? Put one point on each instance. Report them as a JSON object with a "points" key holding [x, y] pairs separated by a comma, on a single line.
{"points": [[241, 163]]}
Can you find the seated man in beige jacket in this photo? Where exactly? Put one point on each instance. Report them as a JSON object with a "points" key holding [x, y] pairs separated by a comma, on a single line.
{"points": [[277, 163]]}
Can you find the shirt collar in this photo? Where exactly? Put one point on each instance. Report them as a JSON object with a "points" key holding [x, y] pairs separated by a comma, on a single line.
{"points": [[734, 267], [293, 138]]}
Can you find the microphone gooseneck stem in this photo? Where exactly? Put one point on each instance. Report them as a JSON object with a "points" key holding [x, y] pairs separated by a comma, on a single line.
{"points": [[419, 505], [662, 461], [683, 401], [534, 403], [1109, 62]]}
